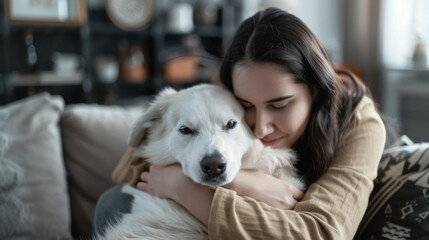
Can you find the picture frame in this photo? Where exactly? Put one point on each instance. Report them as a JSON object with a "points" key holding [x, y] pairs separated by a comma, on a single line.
{"points": [[66, 13]]}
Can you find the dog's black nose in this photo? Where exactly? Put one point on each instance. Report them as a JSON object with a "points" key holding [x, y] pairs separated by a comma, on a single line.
{"points": [[213, 165]]}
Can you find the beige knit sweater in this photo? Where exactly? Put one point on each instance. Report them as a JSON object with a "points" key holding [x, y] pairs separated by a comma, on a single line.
{"points": [[332, 207]]}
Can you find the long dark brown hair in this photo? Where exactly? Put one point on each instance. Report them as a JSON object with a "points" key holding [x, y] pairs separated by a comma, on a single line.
{"points": [[276, 36]]}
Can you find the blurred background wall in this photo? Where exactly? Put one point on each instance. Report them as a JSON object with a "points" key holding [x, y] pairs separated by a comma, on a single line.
{"points": [[114, 52]]}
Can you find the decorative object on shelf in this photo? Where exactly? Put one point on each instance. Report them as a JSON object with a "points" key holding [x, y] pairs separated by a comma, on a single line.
{"points": [[67, 63], [28, 59], [181, 62], [132, 64], [189, 62], [208, 64], [206, 12], [420, 52], [419, 56], [181, 69], [107, 69], [131, 15], [68, 13], [180, 18]]}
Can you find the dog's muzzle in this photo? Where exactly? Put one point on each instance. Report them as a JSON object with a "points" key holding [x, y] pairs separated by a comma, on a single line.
{"points": [[213, 165]]}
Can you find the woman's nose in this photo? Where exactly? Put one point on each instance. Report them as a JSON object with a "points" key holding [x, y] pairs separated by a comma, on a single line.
{"points": [[263, 125]]}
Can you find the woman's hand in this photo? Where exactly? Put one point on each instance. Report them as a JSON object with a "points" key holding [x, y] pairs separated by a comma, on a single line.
{"points": [[170, 182], [162, 181], [266, 188]]}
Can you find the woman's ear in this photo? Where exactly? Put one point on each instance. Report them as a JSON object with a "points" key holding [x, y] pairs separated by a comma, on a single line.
{"points": [[150, 117]]}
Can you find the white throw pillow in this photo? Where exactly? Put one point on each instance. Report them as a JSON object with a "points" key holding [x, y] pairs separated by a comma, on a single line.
{"points": [[34, 191]]}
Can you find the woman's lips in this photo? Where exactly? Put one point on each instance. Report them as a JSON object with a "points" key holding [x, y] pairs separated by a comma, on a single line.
{"points": [[272, 142]]}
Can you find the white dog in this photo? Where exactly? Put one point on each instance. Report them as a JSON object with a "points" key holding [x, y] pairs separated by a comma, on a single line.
{"points": [[203, 129]]}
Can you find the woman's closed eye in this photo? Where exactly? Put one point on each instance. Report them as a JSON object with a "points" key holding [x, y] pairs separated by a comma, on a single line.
{"points": [[279, 106], [246, 106], [276, 106]]}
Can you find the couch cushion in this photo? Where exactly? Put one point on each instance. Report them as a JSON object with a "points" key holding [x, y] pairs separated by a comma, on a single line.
{"points": [[33, 191], [399, 203], [94, 140]]}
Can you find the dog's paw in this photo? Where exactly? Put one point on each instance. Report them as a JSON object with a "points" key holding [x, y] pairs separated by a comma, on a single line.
{"points": [[272, 159]]}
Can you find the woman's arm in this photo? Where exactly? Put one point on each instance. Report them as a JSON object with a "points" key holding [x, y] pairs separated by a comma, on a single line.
{"points": [[170, 182], [265, 188], [332, 207]]}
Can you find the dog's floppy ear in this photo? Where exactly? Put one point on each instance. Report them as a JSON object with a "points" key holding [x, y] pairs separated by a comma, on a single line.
{"points": [[153, 113]]}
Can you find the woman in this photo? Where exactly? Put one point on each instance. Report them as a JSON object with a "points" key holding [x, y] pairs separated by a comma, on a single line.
{"points": [[293, 97]]}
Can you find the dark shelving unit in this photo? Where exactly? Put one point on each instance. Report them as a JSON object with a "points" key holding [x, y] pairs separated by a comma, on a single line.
{"points": [[100, 37]]}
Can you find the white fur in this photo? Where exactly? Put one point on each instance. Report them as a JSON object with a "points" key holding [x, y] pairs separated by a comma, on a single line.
{"points": [[206, 109]]}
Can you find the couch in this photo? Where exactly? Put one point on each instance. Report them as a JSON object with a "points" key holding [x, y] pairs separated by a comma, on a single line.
{"points": [[57, 159]]}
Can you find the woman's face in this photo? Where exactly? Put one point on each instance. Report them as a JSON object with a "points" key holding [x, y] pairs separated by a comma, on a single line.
{"points": [[276, 107]]}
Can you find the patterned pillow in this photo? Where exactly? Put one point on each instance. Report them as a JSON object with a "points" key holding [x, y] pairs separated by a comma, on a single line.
{"points": [[399, 203]]}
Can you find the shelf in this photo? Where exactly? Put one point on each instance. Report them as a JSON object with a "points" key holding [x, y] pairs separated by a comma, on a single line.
{"points": [[46, 78], [101, 28], [416, 89], [70, 93], [185, 84], [146, 86], [44, 29], [131, 90], [208, 31], [408, 66], [202, 31]]}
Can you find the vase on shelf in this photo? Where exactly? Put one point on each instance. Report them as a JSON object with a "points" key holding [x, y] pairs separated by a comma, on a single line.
{"points": [[420, 52], [28, 59]]}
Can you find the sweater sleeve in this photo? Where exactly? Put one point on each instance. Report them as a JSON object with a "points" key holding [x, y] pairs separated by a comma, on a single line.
{"points": [[129, 169], [332, 207]]}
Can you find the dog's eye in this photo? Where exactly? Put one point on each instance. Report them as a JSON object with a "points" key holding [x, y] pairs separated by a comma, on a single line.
{"points": [[230, 125], [185, 130]]}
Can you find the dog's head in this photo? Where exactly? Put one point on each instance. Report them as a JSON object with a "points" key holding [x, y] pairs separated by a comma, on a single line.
{"points": [[201, 127]]}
